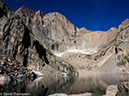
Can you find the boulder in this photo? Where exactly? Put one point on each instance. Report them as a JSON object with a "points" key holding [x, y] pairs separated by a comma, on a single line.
{"points": [[123, 89], [111, 90], [58, 94]]}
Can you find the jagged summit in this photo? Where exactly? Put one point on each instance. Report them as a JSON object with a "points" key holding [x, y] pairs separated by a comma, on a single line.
{"points": [[39, 12], [28, 12], [25, 11], [22, 8]]}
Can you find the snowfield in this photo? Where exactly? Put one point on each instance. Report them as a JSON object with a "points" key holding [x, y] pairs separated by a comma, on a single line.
{"points": [[74, 51]]}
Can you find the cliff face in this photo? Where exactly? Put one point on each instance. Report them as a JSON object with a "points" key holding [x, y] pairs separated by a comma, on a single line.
{"points": [[122, 45], [50, 29], [60, 35], [35, 40], [19, 39]]}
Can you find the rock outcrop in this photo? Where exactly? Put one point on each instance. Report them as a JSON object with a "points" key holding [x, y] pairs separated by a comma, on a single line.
{"points": [[18, 40], [122, 45], [14, 70], [123, 89], [111, 90], [50, 29]]}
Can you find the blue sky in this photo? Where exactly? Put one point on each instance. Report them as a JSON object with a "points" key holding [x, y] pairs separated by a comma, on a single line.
{"points": [[91, 14]]}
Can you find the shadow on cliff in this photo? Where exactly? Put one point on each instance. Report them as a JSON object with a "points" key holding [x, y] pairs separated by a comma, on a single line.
{"points": [[27, 42], [41, 51], [1, 13]]}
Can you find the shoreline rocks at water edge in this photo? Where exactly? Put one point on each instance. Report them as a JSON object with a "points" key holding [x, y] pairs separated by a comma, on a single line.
{"points": [[63, 94], [11, 69]]}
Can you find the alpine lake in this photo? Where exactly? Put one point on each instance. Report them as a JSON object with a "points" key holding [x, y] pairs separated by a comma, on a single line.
{"points": [[44, 86]]}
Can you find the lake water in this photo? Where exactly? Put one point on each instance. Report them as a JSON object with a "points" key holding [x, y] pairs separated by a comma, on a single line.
{"points": [[96, 84]]}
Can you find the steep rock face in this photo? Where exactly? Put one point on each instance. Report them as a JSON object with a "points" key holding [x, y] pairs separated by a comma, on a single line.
{"points": [[59, 23], [68, 37], [56, 33], [33, 20], [122, 45], [123, 89], [28, 14], [17, 40], [51, 29], [94, 40], [60, 35]]}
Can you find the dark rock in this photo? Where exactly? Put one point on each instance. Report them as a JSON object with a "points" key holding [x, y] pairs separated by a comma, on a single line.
{"points": [[7, 79], [122, 45], [16, 72], [123, 89]]}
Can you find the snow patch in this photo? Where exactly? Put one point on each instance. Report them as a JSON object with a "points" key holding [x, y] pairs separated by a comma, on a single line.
{"points": [[37, 73], [74, 51], [44, 26]]}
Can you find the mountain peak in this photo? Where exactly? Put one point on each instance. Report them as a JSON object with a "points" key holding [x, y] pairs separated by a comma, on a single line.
{"points": [[124, 24], [83, 28], [39, 12], [54, 14], [112, 29], [23, 8], [25, 11]]}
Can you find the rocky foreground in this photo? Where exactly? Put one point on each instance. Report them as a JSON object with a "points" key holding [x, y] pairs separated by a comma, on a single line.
{"points": [[113, 90], [11, 70]]}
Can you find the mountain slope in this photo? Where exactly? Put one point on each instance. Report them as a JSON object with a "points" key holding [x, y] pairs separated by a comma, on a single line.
{"points": [[65, 40], [35, 40], [18, 40]]}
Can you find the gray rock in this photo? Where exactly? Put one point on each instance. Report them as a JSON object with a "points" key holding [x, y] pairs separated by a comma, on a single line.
{"points": [[123, 89], [58, 94], [111, 90]]}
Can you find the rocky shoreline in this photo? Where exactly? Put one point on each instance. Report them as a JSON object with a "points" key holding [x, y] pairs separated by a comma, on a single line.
{"points": [[62, 94], [11, 69], [113, 90]]}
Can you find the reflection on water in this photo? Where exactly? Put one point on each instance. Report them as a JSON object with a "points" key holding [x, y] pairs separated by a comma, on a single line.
{"points": [[96, 84]]}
